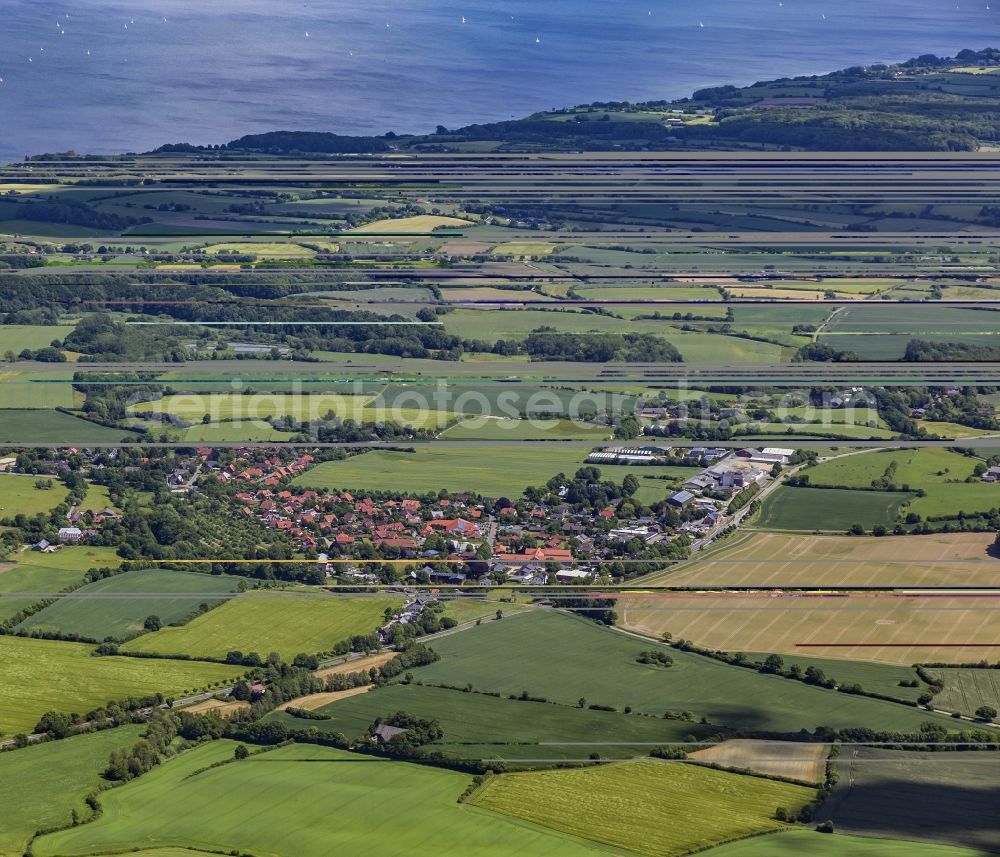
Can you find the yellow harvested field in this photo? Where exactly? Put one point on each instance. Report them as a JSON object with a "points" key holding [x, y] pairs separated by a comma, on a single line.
{"points": [[782, 559], [465, 247], [222, 707], [524, 248], [792, 759], [892, 629], [418, 224], [276, 249], [954, 429], [17, 187], [318, 700], [356, 666]]}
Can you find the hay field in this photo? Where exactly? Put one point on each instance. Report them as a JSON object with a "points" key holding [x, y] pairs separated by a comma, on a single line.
{"points": [[795, 760], [355, 666], [222, 707], [317, 700], [887, 629], [782, 559], [288, 623], [649, 807], [416, 225]]}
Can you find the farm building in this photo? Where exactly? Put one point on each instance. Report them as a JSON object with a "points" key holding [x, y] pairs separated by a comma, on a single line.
{"points": [[385, 733], [681, 499], [773, 455]]}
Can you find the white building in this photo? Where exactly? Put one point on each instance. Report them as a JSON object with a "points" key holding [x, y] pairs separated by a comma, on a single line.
{"points": [[773, 455]]}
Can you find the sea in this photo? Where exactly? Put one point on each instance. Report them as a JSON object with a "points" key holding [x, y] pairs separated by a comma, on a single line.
{"points": [[106, 76]]}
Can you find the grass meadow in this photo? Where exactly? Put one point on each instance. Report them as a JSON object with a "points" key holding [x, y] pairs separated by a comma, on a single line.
{"points": [[477, 726], [941, 473], [19, 496], [267, 804], [41, 785]]}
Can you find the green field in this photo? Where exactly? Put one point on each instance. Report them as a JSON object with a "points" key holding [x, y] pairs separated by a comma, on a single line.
{"points": [[918, 468], [950, 798], [47, 675], [19, 496], [477, 726], [966, 690], [564, 658], [470, 609], [230, 431], [269, 805], [256, 406], [97, 500], [117, 606], [41, 785], [33, 573], [941, 473], [17, 337], [288, 623], [808, 843], [828, 510], [873, 677], [17, 391], [71, 558], [504, 429], [49, 426], [491, 472], [650, 807]]}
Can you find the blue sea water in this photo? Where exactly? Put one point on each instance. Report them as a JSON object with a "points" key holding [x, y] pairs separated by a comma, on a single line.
{"points": [[206, 71]]}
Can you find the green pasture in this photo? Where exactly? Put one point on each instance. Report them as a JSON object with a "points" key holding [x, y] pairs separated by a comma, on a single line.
{"points": [[267, 804], [19, 496], [477, 726], [41, 785], [17, 337], [565, 658]]}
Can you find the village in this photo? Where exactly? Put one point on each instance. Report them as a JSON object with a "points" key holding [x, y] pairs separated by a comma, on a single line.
{"points": [[462, 538]]}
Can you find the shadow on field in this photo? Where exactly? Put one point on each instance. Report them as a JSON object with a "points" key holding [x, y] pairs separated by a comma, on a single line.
{"points": [[953, 798], [755, 718]]}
